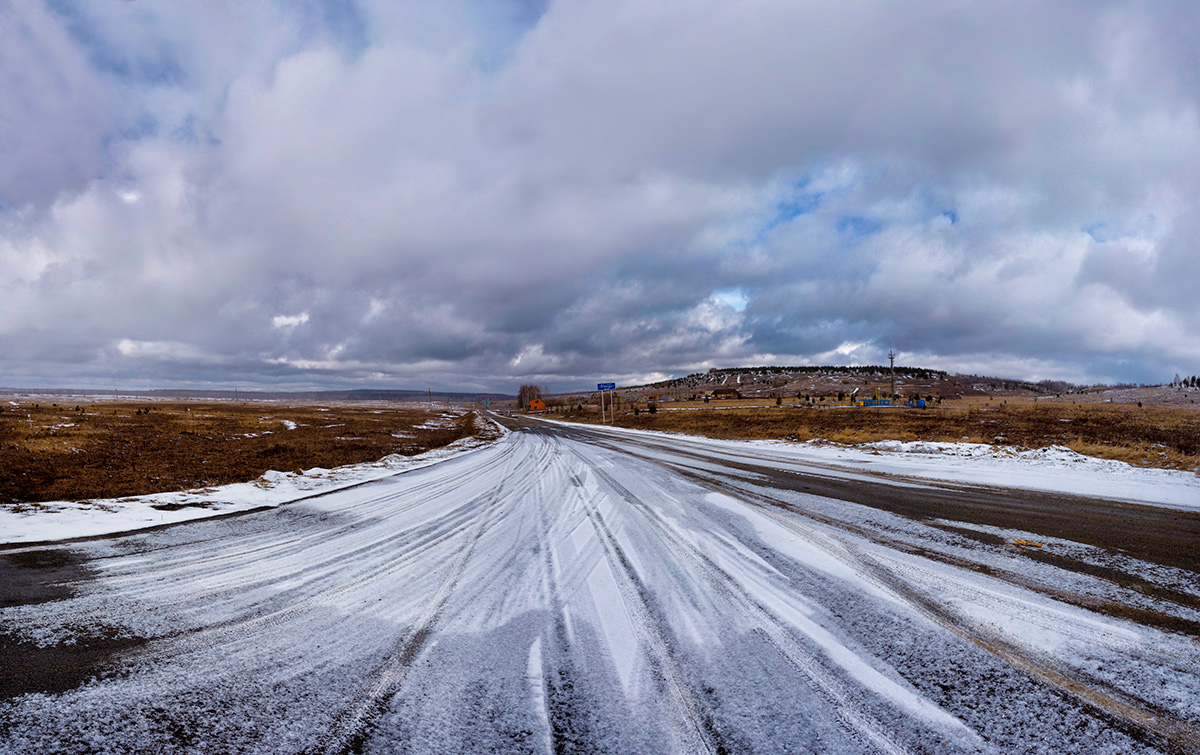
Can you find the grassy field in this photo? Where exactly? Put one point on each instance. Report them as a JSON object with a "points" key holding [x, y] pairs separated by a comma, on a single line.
{"points": [[1151, 436], [109, 450]]}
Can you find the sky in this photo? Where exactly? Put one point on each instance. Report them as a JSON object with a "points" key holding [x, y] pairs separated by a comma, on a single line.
{"points": [[475, 194]]}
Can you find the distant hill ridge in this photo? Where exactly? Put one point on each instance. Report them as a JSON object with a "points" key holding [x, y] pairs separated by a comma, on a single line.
{"points": [[921, 373], [766, 378], [363, 394]]}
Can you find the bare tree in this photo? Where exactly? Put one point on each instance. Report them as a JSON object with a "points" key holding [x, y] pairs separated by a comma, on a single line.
{"points": [[526, 394]]}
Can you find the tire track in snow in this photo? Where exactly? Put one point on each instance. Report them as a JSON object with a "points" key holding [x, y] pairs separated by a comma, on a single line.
{"points": [[654, 637], [220, 633], [349, 729], [565, 729], [1173, 609], [1137, 717], [566, 712], [771, 628], [209, 560], [698, 730], [332, 582]]}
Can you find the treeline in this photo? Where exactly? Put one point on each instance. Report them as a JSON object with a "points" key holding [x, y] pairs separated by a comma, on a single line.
{"points": [[1056, 386], [1008, 384]]}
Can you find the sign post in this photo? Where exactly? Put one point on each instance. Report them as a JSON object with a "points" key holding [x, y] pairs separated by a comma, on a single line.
{"points": [[607, 388]]}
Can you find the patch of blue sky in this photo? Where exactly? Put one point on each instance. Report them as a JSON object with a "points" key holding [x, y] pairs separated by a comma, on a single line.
{"points": [[518, 15], [1100, 232], [734, 298], [951, 215], [1145, 226], [799, 202], [794, 207], [150, 67], [500, 25], [854, 227], [1104, 231], [800, 199], [341, 22]]}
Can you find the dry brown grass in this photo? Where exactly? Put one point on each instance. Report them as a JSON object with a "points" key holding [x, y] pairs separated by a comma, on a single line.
{"points": [[1164, 437], [110, 450]]}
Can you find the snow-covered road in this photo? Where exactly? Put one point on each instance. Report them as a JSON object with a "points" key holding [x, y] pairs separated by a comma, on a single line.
{"points": [[577, 590]]}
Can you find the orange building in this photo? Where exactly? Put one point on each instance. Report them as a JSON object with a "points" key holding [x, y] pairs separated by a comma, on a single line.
{"points": [[537, 405]]}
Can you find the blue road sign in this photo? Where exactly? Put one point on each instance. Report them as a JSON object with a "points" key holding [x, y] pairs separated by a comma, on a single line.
{"points": [[606, 386]]}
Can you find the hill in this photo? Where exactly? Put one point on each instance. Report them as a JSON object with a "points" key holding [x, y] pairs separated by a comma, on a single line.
{"points": [[822, 380], [222, 395], [865, 381]]}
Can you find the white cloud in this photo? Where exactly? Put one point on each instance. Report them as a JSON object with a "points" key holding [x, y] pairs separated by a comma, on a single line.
{"points": [[289, 321], [168, 350]]}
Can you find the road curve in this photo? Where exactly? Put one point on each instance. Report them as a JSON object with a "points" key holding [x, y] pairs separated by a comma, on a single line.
{"points": [[572, 589]]}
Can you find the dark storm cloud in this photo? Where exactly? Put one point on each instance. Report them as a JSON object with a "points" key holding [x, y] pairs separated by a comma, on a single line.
{"points": [[479, 194]]}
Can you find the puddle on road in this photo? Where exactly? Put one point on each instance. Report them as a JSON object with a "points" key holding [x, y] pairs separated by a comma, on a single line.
{"points": [[42, 576], [39, 576], [26, 667]]}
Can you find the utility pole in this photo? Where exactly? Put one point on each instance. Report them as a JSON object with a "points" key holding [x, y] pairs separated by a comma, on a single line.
{"points": [[892, 361]]}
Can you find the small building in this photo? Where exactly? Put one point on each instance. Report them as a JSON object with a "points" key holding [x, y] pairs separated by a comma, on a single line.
{"points": [[724, 393], [537, 405]]}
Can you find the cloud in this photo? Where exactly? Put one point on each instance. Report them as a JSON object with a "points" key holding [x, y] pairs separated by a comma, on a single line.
{"points": [[476, 193], [289, 321], [57, 108]]}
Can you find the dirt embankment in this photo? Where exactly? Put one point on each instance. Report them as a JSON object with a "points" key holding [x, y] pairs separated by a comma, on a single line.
{"points": [[108, 450]]}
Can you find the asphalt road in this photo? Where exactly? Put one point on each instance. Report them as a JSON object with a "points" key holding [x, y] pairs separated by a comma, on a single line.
{"points": [[574, 589]]}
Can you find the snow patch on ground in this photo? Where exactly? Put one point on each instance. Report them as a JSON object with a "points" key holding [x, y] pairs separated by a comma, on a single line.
{"points": [[1055, 469], [443, 420]]}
